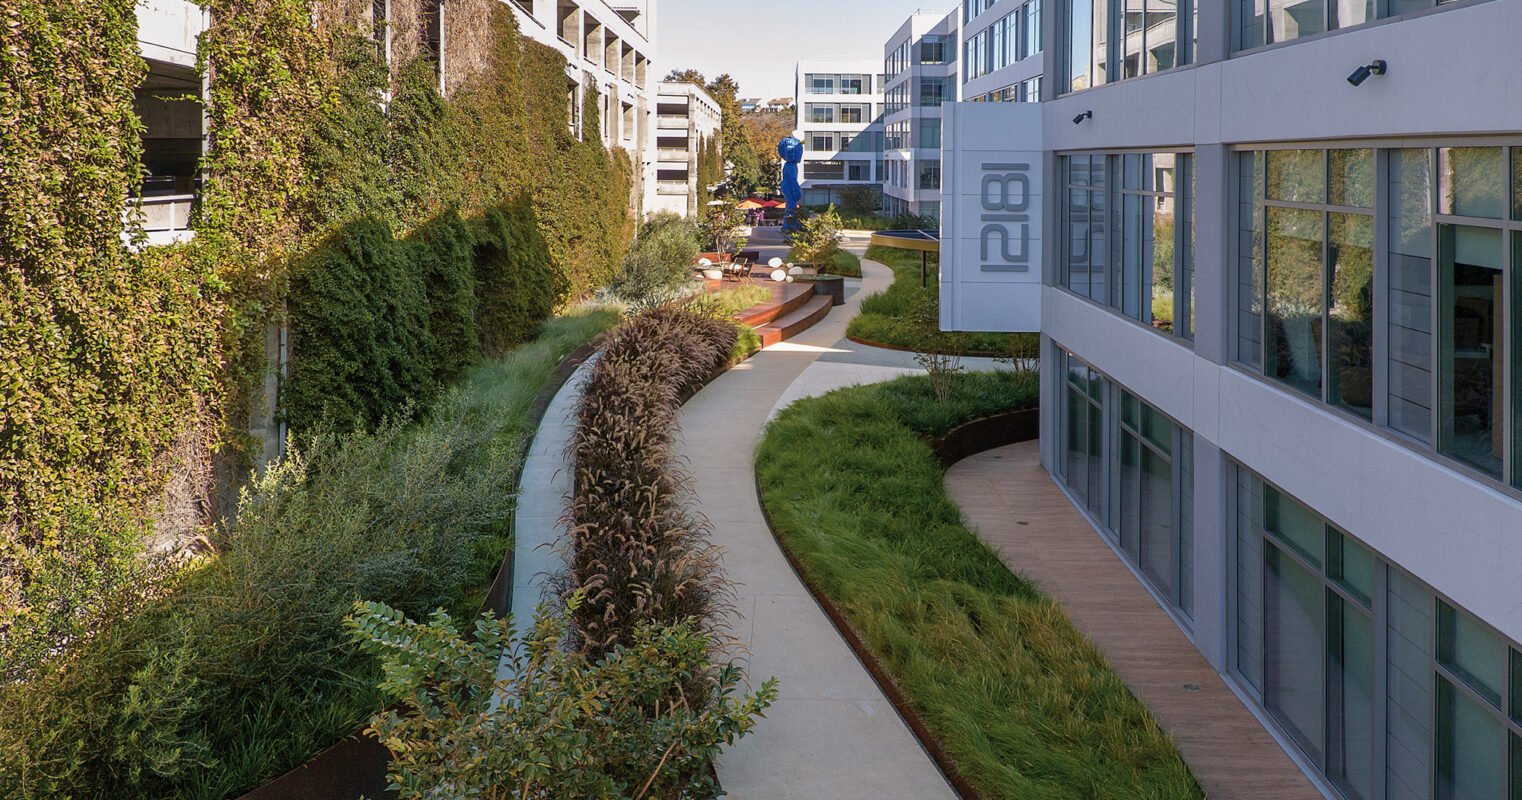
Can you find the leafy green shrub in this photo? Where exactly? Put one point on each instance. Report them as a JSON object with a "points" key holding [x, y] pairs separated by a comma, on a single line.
{"points": [[818, 239], [442, 253], [844, 263], [659, 261], [636, 552], [515, 282], [359, 331], [559, 726]]}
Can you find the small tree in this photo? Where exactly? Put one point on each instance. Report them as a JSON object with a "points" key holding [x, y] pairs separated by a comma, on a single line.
{"points": [[721, 227], [659, 262], [818, 240]]}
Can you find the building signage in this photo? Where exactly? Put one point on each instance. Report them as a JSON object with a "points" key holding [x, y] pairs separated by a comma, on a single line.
{"points": [[991, 186]]}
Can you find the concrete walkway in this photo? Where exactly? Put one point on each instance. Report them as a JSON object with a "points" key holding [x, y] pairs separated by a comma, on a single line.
{"points": [[831, 735], [1013, 505]]}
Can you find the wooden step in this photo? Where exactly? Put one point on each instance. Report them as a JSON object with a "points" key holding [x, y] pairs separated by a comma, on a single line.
{"points": [[786, 298], [798, 321]]}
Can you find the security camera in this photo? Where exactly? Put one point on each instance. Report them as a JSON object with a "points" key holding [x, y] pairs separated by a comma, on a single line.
{"points": [[1081, 117], [1376, 67]]}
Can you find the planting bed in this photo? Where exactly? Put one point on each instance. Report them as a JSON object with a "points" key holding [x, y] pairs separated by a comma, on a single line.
{"points": [[1016, 701]]}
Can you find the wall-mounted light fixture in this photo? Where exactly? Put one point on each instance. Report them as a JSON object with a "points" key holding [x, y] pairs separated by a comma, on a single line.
{"points": [[1086, 115], [1375, 67]]}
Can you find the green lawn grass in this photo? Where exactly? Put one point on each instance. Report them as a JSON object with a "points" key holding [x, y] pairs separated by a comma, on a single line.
{"points": [[844, 263], [886, 316], [1027, 708], [730, 301]]}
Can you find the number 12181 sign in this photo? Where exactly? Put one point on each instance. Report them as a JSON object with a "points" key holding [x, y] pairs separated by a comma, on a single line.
{"points": [[1005, 239]]}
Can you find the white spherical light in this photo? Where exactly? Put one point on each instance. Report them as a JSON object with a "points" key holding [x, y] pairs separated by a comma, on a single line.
{"points": [[774, 263]]}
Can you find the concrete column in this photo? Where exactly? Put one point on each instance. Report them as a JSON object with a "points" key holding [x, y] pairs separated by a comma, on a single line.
{"points": [[1213, 204], [1212, 554]]}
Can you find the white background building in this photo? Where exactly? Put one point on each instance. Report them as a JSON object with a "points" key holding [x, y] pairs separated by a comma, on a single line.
{"points": [[921, 67], [840, 105], [686, 117]]}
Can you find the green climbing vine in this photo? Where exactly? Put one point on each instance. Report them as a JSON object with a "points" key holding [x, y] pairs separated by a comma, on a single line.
{"points": [[107, 358]]}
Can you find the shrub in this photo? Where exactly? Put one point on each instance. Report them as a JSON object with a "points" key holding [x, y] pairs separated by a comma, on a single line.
{"points": [[559, 725], [907, 314], [659, 261], [359, 331], [442, 252], [516, 285], [166, 699], [636, 552], [207, 682], [818, 239]]}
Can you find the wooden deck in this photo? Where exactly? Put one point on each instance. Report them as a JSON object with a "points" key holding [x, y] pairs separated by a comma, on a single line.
{"points": [[1013, 504]]}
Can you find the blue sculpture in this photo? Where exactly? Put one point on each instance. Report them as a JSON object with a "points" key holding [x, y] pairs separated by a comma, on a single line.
{"points": [[791, 152]]}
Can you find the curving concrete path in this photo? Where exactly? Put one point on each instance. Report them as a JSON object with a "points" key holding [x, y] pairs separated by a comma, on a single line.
{"points": [[831, 733]]}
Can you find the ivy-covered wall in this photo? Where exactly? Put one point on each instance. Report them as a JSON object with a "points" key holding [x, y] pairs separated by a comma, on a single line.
{"points": [[106, 359], [396, 231]]}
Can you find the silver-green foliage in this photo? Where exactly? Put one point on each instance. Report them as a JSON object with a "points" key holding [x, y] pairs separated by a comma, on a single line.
{"points": [[659, 262], [558, 725]]}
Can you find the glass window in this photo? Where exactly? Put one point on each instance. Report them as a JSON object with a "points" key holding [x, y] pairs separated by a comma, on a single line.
{"points": [[1470, 355], [930, 134], [1410, 273], [1150, 277], [1087, 26], [1472, 182], [933, 50], [930, 174], [1032, 44], [1313, 656], [1351, 566], [1350, 176], [1140, 488], [1268, 21], [1472, 653], [1516, 183], [1471, 747], [1351, 315], [1296, 175], [1293, 308], [1315, 267]]}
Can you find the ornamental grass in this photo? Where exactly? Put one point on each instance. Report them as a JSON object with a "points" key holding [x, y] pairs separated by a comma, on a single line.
{"points": [[637, 551]]}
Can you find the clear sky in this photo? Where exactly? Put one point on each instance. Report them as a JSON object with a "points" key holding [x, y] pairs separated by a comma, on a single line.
{"points": [[759, 42]]}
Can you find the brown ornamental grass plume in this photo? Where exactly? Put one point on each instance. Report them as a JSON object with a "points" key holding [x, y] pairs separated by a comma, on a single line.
{"points": [[636, 549]]}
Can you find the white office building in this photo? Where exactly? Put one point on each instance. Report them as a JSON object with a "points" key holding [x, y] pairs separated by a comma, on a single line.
{"points": [[1279, 248], [920, 62], [1002, 43], [840, 107], [687, 120]]}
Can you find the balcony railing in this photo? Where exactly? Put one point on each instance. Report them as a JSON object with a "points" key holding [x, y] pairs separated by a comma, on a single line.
{"points": [[165, 218]]}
